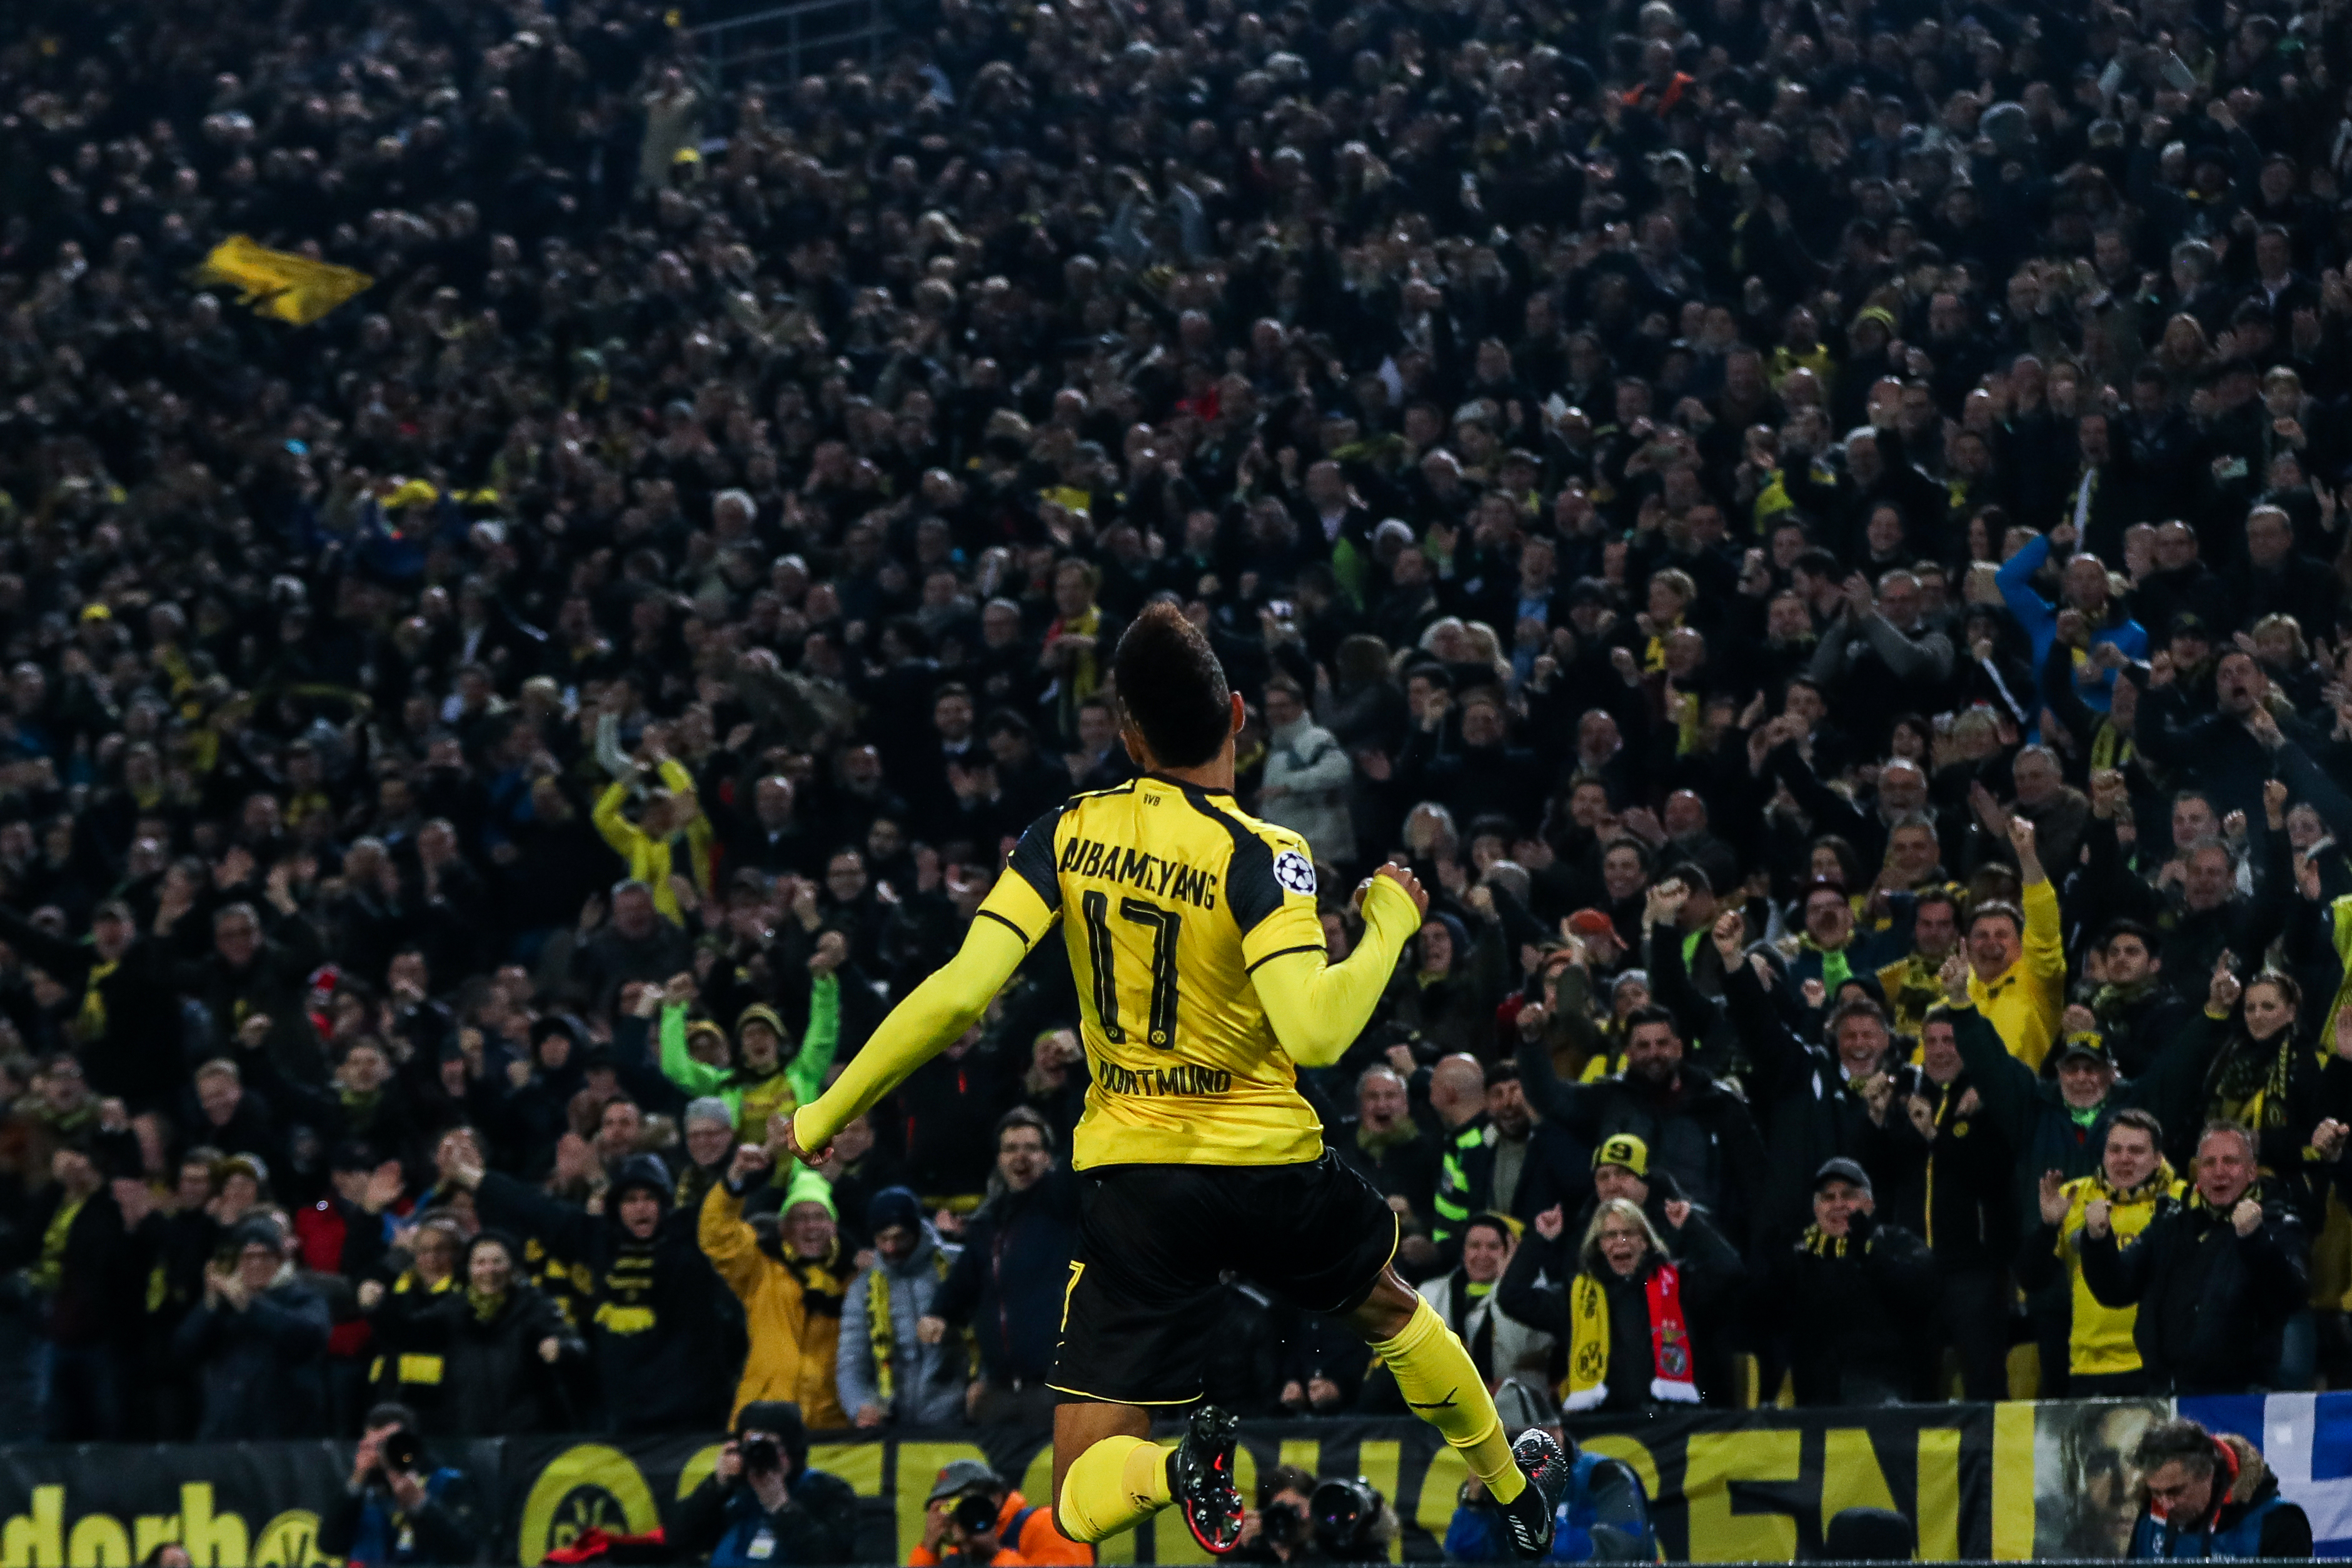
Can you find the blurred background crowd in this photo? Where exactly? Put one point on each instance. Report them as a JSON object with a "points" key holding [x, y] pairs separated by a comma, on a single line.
{"points": [[1816, 529]]}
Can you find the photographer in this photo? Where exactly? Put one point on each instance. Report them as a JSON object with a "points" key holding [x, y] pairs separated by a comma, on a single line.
{"points": [[973, 1518], [1350, 1522], [400, 1507], [1604, 1518], [1276, 1531], [762, 1505]]}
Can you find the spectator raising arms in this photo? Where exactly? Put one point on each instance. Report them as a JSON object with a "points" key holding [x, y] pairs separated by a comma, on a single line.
{"points": [[1882, 486]]}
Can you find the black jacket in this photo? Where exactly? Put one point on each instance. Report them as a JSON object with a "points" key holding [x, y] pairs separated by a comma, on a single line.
{"points": [[135, 1053], [818, 1523], [1709, 1271], [2212, 1302], [263, 1369], [1952, 1187], [1852, 1312], [446, 1530], [1007, 1284], [1810, 1114], [494, 1382], [1695, 1128], [665, 1350]]}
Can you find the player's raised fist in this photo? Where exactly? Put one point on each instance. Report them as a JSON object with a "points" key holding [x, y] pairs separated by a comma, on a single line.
{"points": [[1403, 878]]}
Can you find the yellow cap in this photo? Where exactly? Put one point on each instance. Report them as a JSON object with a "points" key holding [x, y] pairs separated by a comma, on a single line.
{"points": [[1626, 1149]]}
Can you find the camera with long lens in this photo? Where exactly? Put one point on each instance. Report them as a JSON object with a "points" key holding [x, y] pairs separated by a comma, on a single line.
{"points": [[1283, 1524], [763, 1455], [974, 1514], [1347, 1512], [400, 1452]]}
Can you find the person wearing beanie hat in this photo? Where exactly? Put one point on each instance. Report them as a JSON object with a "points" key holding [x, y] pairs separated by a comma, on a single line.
{"points": [[1439, 997], [653, 1323], [768, 1078], [792, 1288], [888, 1373], [258, 1341], [761, 1506], [1854, 1295]]}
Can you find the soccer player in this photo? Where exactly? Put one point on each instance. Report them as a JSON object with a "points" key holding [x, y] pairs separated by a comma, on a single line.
{"points": [[1205, 985]]}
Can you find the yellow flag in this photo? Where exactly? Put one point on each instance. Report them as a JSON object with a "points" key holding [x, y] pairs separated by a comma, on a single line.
{"points": [[278, 282]]}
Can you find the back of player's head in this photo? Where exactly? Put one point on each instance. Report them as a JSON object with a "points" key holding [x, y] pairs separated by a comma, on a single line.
{"points": [[1172, 688]]}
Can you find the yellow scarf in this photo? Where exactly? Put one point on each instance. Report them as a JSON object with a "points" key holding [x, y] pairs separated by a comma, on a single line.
{"points": [[89, 1024], [1087, 678], [50, 1271]]}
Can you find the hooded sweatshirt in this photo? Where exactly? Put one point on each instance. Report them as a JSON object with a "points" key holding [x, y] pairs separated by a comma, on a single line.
{"points": [[663, 1348]]}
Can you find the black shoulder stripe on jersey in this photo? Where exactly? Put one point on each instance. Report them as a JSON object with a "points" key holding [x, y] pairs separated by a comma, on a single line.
{"points": [[1032, 858], [1251, 891]]}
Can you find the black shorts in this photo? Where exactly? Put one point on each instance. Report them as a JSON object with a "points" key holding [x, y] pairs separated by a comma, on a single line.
{"points": [[1142, 1306]]}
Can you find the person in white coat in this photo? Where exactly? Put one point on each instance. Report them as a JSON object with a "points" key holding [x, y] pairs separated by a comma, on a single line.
{"points": [[1307, 776], [1502, 1346]]}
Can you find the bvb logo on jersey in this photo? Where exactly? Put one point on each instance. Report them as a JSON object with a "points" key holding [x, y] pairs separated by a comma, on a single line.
{"points": [[1294, 872], [589, 1486]]}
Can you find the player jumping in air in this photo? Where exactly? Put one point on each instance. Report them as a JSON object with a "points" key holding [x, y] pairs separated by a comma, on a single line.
{"points": [[1204, 985]]}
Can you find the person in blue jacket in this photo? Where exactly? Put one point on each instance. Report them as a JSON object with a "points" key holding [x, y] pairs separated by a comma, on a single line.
{"points": [[2103, 620], [400, 1507], [1604, 1518], [761, 1506], [2211, 1495]]}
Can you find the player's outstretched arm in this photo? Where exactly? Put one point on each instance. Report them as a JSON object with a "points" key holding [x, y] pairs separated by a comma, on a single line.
{"points": [[930, 1020], [1318, 1007]]}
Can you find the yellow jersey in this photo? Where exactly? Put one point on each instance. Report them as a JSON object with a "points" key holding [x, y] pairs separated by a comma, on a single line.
{"points": [[1170, 898]]}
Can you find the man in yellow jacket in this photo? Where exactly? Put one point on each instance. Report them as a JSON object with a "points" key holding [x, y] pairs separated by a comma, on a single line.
{"points": [[2102, 1358], [2017, 959], [652, 845], [791, 1290]]}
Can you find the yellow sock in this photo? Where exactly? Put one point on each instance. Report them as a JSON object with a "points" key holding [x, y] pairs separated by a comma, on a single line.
{"points": [[1442, 1385], [1115, 1485]]}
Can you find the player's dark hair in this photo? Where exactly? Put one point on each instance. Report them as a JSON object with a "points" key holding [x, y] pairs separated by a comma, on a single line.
{"points": [[1172, 687]]}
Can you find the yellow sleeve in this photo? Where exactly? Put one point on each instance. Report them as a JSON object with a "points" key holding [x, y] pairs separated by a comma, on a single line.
{"points": [[728, 1242], [619, 831], [701, 839], [1318, 1007], [1011, 921], [2045, 944]]}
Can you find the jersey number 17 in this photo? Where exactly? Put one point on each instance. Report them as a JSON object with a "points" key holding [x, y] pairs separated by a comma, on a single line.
{"points": [[1102, 954]]}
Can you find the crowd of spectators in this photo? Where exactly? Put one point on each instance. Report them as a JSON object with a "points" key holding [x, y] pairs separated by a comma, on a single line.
{"points": [[1816, 530]]}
